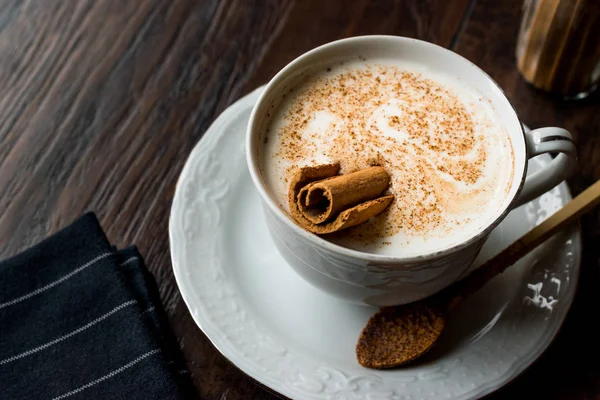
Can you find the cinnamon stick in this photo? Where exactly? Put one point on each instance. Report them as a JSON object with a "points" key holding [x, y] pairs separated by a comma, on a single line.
{"points": [[323, 202]]}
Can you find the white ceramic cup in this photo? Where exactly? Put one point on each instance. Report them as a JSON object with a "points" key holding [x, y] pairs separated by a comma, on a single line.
{"points": [[378, 280]]}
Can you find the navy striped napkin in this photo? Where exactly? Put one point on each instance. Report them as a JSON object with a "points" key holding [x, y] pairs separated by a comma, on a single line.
{"points": [[81, 320]]}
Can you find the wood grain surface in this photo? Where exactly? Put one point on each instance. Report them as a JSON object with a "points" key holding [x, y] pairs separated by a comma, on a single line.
{"points": [[102, 101]]}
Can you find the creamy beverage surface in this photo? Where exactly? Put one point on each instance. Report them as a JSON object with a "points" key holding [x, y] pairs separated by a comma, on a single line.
{"points": [[450, 160]]}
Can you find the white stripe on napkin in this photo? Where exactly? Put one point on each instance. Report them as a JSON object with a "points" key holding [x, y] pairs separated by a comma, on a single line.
{"points": [[107, 376], [130, 259], [68, 335], [56, 282]]}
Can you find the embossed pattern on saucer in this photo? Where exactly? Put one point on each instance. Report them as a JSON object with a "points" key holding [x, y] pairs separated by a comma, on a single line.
{"points": [[299, 341]]}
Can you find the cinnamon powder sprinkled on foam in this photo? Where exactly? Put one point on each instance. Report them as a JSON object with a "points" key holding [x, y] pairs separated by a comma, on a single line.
{"points": [[429, 144]]}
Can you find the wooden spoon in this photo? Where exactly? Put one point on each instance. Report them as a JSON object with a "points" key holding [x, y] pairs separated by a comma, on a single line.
{"points": [[397, 335]]}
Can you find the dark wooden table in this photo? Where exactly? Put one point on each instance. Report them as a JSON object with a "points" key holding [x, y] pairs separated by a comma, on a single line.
{"points": [[101, 101]]}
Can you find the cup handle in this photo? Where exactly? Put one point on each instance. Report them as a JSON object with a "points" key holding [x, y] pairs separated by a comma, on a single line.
{"points": [[548, 140]]}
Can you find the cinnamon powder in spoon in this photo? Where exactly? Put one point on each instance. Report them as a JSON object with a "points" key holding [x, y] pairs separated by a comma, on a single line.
{"points": [[399, 335]]}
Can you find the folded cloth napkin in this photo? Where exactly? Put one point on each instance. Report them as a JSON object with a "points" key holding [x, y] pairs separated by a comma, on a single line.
{"points": [[81, 320]]}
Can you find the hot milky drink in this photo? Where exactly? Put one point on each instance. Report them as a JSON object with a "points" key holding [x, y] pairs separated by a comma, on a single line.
{"points": [[450, 160]]}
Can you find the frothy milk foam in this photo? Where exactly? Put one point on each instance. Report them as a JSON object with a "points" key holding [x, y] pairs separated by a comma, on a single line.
{"points": [[449, 157]]}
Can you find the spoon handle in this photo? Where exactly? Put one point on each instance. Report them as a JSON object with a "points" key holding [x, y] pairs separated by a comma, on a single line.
{"points": [[575, 208]]}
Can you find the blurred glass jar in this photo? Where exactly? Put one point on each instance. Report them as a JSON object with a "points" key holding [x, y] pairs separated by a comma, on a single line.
{"points": [[558, 48]]}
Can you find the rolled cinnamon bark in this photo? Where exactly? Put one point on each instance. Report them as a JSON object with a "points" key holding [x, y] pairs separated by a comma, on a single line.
{"points": [[323, 202]]}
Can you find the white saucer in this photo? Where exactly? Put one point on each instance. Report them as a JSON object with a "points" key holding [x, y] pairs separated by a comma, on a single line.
{"points": [[299, 341]]}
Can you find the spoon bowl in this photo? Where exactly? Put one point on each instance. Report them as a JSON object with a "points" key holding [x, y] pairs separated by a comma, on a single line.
{"points": [[398, 335]]}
